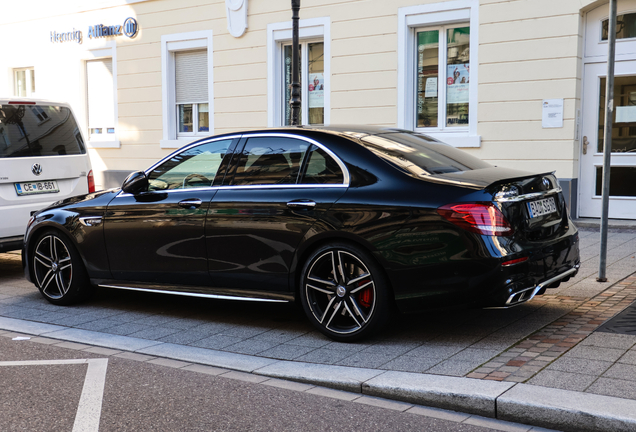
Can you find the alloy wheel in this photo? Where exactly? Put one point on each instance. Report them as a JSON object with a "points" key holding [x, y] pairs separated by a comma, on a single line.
{"points": [[340, 292], [53, 266]]}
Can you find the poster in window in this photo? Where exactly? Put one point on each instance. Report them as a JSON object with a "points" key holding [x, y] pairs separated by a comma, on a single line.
{"points": [[457, 83], [316, 90]]}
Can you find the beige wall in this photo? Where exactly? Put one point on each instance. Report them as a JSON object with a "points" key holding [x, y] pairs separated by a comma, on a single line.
{"points": [[529, 50]]}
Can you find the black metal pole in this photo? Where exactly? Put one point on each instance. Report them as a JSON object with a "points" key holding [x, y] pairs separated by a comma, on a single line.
{"points": [[295, 86], [607, 138]]}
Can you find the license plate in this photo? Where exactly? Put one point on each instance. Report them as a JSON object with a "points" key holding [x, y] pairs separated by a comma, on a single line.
{"points": [[541, 207], [32, 188]]}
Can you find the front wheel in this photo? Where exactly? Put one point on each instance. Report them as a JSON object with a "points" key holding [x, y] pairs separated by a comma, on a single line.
{"points": [[58, 269], [344, 292]]}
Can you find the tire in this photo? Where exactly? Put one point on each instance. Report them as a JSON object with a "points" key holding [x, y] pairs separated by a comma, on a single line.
{"points": [[58, 269], [344, 292]]}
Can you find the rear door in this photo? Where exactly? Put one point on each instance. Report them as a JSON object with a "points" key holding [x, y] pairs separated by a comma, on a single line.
{"points": [[158, 236], [257, 221]]}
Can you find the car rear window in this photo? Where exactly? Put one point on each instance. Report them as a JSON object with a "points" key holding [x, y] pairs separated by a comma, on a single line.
{"points": [[38, 130], [421, 155]]}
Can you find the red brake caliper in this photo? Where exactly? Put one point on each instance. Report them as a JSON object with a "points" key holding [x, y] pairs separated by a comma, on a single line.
{"points": [[365, 297]]}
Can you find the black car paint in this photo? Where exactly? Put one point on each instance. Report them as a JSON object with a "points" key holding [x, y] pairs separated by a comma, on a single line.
{"points": [[236, 244]]}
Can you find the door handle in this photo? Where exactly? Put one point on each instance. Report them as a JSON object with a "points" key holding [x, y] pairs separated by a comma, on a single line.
{"points": [[301, 204], [585, 144], [190, 203]]}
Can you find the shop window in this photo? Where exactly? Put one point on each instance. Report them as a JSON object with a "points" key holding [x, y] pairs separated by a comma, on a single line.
{"points": [[312, 89], [100, 100], [24, 82], [187, 87], [448, 47], [437, 88], [315, 72]]}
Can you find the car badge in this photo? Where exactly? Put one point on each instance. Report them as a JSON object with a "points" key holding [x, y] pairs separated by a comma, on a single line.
{"points": [[546, 183], [508, 192], [36, 169]]}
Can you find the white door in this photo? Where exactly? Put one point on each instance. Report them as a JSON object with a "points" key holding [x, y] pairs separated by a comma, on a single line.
{"points": [[623, 165]]}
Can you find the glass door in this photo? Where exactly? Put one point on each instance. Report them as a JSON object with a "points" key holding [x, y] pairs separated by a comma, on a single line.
{"points": [[623, 164]]}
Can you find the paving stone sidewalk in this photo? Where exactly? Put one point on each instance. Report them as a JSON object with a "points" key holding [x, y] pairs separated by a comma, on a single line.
{"points": [[534, 343]]}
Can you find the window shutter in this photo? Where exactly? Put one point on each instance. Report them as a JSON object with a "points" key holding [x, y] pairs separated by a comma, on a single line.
{"points": [[100, 93], [191, 76]]}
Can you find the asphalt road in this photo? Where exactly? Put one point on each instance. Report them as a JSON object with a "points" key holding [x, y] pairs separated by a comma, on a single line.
{"points": [[141, 396]]}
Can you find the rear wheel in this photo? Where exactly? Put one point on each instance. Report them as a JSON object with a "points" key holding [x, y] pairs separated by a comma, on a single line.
{"points": [[344, 292], [58, 269]]}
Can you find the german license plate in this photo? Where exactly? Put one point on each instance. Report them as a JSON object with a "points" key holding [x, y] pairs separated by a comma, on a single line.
{"points": [[32, 188], [542, 207]]}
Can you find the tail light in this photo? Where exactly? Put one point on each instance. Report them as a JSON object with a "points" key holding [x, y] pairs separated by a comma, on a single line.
{"points": [[91, 182], [480, 218]]}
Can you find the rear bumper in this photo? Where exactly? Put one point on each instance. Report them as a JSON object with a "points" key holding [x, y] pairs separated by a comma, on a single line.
{"points": [[527, 294]]}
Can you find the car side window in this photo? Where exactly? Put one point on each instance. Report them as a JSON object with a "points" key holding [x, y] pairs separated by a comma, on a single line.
{"points": [[270, 160], [195, 167], [321, 169]]}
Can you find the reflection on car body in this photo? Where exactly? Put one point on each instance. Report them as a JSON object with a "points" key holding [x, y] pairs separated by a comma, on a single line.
{"points": [[346, 220]]}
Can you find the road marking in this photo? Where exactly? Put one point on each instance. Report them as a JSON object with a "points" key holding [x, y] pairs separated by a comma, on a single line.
{"points": [[89, 409]]}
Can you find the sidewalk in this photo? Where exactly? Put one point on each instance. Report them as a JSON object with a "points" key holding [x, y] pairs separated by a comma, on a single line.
{"points": [[544, 363]]}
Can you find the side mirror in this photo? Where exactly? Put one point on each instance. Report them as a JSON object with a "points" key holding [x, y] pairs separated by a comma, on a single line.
{"points": [[135, 183]]}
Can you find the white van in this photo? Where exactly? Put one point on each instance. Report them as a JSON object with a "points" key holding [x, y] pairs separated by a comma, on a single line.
{"points": [[43, 159]]}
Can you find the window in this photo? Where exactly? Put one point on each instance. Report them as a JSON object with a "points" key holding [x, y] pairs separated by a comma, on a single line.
{"points": [[192, 92], [312, 89], [321, 168], [625, 27], [195, 167], [24, 82], [187, 87], [38, 112], [437, 90], [27, 138], [100, 99], [270, 160], [453, 54], [315, 72]]}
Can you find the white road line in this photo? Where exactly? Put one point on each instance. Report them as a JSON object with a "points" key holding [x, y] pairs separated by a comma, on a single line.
{"points": [[89, 409]]}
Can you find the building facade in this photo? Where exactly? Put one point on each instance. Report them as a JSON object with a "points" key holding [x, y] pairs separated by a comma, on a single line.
{"points": [[518, 83]]}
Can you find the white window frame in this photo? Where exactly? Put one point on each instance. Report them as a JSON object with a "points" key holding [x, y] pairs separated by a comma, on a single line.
{"points": [[29, 77], [169, 45], [103, 140], [433, 16], [279, 34]]}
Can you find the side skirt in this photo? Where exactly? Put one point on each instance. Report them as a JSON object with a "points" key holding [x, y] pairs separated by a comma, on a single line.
{"points": [[197, 291]]}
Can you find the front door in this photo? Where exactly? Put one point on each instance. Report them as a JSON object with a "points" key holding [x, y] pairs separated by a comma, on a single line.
{"points": [[623, 163]]}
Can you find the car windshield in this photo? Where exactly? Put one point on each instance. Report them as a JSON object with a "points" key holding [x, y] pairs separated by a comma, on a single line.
{"points": [[421, 155], [38, 130]]}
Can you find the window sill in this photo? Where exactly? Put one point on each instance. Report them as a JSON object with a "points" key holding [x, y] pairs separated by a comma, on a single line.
{"points": [[115, 143], [456, 139], [177, 143]]}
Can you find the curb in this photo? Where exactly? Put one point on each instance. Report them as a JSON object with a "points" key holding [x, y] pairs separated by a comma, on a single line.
{"points": [[523, 403]]}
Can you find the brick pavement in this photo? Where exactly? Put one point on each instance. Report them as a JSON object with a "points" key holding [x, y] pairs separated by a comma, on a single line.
{"points": [[526, 358]]}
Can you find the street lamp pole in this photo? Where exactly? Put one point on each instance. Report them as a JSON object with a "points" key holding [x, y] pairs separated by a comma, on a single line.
{"points": [[295, 86], [607, 139]]}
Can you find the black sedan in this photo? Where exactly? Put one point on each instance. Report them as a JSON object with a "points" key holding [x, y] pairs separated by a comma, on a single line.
{"points": [[347, 220]]}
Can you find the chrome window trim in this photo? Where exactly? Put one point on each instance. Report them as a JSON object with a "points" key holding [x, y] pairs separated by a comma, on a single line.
{"points": [[188, 147], [529, 196], [343, 167]]}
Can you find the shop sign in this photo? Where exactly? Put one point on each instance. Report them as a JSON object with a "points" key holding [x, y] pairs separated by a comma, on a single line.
{"points": [[130, 28]]}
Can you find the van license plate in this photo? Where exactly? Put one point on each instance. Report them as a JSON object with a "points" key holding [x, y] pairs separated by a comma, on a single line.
{"points": [[32, 188], [541, 207]]}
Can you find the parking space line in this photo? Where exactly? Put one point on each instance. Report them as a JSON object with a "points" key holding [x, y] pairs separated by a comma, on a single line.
{"points": [[89, 409]]}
